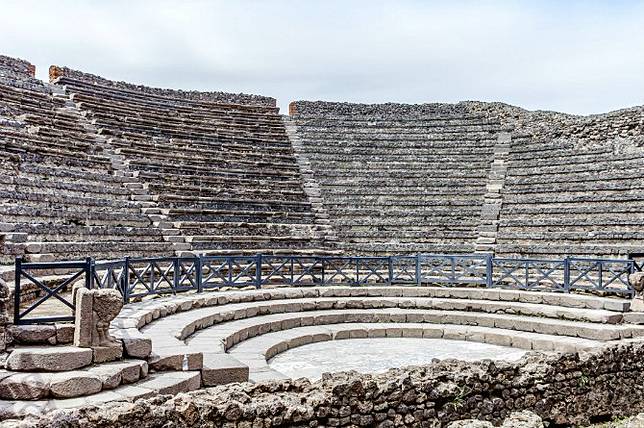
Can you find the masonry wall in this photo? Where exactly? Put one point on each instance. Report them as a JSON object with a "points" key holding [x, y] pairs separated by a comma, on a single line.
{"points": [[564, 389]]}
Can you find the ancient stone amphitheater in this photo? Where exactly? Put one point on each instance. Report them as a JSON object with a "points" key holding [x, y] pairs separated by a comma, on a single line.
{"points": [[160, 247]]}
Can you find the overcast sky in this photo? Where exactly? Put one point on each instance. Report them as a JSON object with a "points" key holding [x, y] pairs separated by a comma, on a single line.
{"points": [[572, 56]]}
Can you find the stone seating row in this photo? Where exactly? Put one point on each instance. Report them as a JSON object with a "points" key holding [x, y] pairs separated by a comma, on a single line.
{"points": [[234, 192], [615, 221], [136, 316], [102, 102], [207, 157], [129, 102], [226, 116], [177, 123], [599, 167], [255, 352], [434, 149], [563, 157], [186, 147], [189, 328], [140, 97], [573, 186], [340, 130], [260, 142], [158, 180], [232, 170], [116, 127], [424, 122], [482, 142], [387, 247], [69, 383]]}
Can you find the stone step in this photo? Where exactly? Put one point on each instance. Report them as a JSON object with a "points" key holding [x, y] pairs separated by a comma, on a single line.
{"points": [[49, 359], [72, 383], [155, 384], [256, 351]]}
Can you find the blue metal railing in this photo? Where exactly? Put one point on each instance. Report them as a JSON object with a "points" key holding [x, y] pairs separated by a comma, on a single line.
{"points": [[136, 278]]}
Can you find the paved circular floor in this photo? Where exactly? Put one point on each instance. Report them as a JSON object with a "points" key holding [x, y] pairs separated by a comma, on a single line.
{"points": [[378, 355]]}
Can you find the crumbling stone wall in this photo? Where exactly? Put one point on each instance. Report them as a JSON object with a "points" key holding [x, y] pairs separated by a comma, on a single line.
{"points": [[565, 389], [17, 66], [217, 97]]}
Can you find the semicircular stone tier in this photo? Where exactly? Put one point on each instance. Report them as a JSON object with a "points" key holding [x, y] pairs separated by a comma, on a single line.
{"points": [[185, 342]]}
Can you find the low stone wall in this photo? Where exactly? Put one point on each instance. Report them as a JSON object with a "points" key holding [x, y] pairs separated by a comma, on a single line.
{"points": [[394, 110], [214, 96], [564, 389]]}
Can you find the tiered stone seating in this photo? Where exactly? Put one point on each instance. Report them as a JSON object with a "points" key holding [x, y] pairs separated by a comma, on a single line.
{"points": [[575, 189], [185, 342], [251, 327], [219, 166], [61, 198], [399, 178]]}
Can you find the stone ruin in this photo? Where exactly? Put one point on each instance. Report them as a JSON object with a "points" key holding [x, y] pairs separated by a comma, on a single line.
{"points": [[97, 168], [95, 309]]}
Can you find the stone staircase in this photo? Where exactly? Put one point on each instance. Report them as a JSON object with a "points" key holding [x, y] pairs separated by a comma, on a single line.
{"points": [[491, 210], [121, 166], [310, 185]]}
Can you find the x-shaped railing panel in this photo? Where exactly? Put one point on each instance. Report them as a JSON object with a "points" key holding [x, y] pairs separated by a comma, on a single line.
{"points": [[339, 270], [403, 270]]}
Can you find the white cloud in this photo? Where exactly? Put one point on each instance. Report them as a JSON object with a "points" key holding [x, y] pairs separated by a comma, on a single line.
{"points": [[576, 56]]}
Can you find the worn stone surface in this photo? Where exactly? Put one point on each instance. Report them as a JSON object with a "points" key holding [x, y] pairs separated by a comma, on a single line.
{"points": [[32, 334], [103, 354], [220, 369], [59, 358], [25, 386], [74, 384]]}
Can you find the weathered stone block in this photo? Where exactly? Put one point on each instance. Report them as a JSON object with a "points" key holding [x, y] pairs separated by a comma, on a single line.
{"points": [[220, 369], [59, 358]]}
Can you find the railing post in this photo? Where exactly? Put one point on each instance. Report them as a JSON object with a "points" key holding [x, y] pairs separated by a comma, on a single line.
{"points": [[390, 268], [452, 275], [16, 293], [489, 281], [89, 272], [258, 271], [600, 283], [199, 273], [567, 275], [126, 281], [419, 279], [357, 279], [176, 277]]}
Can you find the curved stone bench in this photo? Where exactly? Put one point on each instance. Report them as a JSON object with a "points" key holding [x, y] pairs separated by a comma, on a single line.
{"points": [[255, 352], [228, 324], [135, 316]]}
